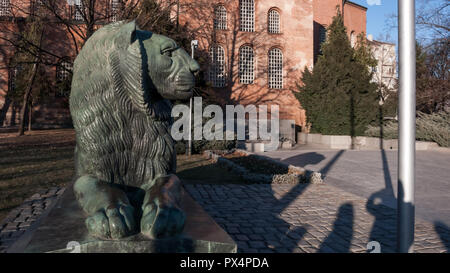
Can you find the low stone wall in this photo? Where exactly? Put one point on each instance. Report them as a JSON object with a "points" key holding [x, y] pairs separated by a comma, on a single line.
{"points": [[361, 143], [259, 147], [295, 174]]}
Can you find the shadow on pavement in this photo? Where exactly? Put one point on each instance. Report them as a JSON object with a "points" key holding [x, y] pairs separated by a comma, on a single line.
{"points": [[340, 238], [302, 160], [444, 234], [384, 227], [254, 221]]}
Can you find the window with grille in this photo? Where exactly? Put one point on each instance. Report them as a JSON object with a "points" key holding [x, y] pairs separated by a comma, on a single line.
{"points": [[246, 65], [76, 9], [247, 15], [217, 75], [220, 17], [5, 8], [63, 70], [275, 68], [274, 21], [322, 37], [115, 5]]}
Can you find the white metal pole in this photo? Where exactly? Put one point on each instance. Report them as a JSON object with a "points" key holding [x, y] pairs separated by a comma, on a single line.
{"points": [[407, 125]]}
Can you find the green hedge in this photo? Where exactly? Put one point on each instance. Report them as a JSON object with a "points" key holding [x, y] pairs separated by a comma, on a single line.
{"points": [[198, 146]]}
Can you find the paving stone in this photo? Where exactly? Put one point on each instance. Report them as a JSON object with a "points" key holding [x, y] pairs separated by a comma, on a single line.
{"points": [[259, 222], [255, 237], [241, 237], [259, 230], [257, 244], [232, 230]]}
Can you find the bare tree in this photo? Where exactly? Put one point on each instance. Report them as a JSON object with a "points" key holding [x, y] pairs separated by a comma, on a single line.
{"points": [[432, 77]]}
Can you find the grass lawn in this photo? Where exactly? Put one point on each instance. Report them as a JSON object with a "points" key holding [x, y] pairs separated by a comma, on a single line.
{"points": [[37, 161], [44, 159]]}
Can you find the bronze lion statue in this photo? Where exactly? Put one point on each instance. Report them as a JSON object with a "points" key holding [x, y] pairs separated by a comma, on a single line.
{"points": [[123, 81]]}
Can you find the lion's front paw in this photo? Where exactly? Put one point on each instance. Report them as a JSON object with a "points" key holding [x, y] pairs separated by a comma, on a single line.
{"points": [[112, 223], [164, 221]]}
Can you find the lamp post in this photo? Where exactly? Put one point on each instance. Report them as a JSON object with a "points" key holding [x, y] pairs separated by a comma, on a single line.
{"points": [[194, 45], [406, 125]]}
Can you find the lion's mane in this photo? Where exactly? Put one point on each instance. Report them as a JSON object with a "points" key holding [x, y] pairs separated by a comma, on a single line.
{"points": [[122, 124]]}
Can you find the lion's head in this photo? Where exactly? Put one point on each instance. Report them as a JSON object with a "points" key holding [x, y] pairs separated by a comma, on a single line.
{"points": [[168, 67], [144, 68], [173, 76]]}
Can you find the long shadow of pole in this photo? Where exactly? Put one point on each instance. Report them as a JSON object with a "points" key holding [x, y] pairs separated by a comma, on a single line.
{"points": [[297, 233], [383, 229]]}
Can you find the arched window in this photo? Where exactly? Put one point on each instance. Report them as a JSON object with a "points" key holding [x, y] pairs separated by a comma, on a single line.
{"points": [[353, 39], [220, 17], [217, 75], [274, 21], [275, 68], [63, 70], [246, 65], [5, 7], [247, 15], [115, 8]]}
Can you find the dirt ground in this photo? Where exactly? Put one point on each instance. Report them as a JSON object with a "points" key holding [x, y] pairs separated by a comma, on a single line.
{"points": [[44, 158]]}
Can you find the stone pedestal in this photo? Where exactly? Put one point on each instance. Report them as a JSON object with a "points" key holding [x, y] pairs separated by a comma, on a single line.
{"points": [[64, 230]]}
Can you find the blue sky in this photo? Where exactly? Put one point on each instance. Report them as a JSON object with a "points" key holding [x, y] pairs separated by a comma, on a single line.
{"points": [[377, 18], [380, 19]]}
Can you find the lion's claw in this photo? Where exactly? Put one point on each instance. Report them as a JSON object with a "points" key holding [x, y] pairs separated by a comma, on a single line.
{"points": [[112, 223], [162, 222]]}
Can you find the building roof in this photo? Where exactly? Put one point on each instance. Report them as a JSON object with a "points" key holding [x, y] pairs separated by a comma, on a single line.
{"points": [[379, 42], [357, 5]]}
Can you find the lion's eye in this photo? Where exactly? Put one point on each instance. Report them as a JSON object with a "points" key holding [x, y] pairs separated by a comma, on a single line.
{"points": [[167, 52]]}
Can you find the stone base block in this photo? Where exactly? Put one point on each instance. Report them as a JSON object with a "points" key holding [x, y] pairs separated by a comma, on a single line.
{"points": [[64, 230]]}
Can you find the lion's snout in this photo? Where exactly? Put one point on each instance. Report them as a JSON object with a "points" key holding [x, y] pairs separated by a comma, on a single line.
{"points": [[184, 81]]}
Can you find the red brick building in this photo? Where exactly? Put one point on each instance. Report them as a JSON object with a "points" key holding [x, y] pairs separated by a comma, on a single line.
{"points": [[256, 49]]}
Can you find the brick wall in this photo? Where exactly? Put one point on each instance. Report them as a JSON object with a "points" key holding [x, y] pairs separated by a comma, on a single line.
{"points": [[295, 42]]}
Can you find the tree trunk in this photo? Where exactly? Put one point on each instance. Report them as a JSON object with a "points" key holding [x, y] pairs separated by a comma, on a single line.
{"points": [[30, 112], [26, 97]]}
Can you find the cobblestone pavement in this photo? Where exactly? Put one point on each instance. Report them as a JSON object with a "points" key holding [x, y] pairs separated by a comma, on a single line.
{"points": [[22, 217], [299, 218], [308, 218]]}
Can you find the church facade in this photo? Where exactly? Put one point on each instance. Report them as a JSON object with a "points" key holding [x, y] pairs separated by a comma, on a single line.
{"points": [[256, 49]]}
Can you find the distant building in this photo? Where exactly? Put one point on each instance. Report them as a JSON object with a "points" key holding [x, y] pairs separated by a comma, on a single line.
{"points": [[385, 73]]}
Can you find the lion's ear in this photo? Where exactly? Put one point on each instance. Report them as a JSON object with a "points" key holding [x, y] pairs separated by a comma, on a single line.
{"points": [[128, 32]]}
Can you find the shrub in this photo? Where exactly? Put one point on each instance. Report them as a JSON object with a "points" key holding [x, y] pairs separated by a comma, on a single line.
{"points": [[390, 130], [198, 146], [434, 127], [429, 127], [338, 95]]}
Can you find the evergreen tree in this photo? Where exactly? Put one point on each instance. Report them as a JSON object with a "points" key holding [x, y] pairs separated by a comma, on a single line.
{"points": [[337, 94]]}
